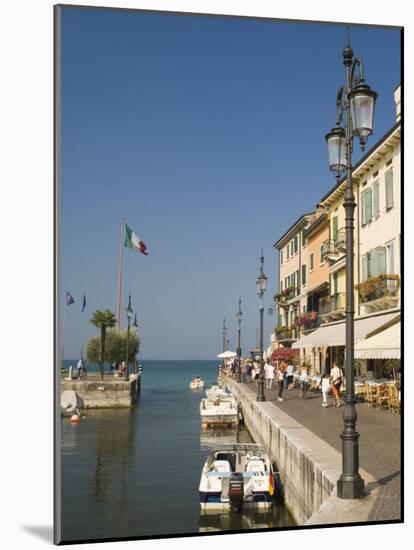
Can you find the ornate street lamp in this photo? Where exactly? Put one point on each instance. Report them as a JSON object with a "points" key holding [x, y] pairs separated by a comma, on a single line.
{"points": [[357, 102], [261, 289], [239, 316], [129, 316], [135, 325]]}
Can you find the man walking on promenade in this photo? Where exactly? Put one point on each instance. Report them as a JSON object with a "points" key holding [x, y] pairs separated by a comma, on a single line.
{"points": [[270, 374], [289, 376]]}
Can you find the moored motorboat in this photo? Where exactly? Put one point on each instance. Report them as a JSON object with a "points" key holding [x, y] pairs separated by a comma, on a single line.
{"points": [[238, 475], [196, 383], [219, 412], [216, 392]]}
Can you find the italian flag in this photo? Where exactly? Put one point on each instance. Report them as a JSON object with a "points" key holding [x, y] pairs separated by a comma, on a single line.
{"points": [[133, 241]]}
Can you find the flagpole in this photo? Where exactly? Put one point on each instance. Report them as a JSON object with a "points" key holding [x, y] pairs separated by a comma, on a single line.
{"points": [[82, 328], [121, 257], [63, 326]]}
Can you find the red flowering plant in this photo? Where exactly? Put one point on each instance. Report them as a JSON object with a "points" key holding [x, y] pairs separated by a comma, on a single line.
{"points": [[285, 354], [307, 320]]}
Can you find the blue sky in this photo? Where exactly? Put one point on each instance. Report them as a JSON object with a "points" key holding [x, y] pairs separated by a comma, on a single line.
{"points": [[208, 135]]}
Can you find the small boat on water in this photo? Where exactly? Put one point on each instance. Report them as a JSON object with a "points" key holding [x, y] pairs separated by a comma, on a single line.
{"points": [[219, 412], [216, 392], [238, 475], [196, 383]]}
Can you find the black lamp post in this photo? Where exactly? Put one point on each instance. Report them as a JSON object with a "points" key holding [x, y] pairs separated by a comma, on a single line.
{"points": [[357, 102], [239, 316], [129, 315], [261, 289]]}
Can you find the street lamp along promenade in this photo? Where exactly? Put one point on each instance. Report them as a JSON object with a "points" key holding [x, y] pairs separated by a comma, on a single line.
{"points": [[261, 289], [357, 102], [129, 316], [239, 317]]}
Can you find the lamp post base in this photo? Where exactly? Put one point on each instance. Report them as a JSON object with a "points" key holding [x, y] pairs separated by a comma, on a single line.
{"points": [[350, 488], [261, 398]]}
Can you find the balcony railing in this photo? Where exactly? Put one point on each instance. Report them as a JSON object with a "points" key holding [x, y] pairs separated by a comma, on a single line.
{"points": [[287, 294], [285, 333], [331, 304], [382, 286], [334, 247], [308, 321], [340, 240]]}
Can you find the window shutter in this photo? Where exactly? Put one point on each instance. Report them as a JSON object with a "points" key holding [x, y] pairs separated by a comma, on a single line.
{"points": [[281, 286], [281, 257], [335, 280], [335, 228], [382, 260], [311, 261], [390, 262], [368, 205], [363, 222], [364, 267], [389, 189], [376, 199], [304, 274], [287, 252], [369, 268]]}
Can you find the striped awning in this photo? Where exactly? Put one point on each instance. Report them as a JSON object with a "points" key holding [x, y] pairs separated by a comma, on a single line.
{"points": [[334, 333], [383, 345]]}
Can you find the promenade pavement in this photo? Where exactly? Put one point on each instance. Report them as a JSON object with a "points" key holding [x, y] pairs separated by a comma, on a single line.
{"points": [[379, 443]]}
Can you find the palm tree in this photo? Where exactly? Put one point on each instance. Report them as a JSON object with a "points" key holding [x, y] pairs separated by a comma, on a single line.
{"points": [[103, 319]]}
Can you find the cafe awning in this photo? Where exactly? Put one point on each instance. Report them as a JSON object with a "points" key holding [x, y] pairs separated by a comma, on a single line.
{"points": [[334, 333], [383, 345]]}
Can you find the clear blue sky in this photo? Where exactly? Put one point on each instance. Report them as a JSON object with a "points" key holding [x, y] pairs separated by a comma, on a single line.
{"points": [[208, 135]]}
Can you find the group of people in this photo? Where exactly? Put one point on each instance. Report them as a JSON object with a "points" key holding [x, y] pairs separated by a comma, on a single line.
{"points": [[284, 374]]}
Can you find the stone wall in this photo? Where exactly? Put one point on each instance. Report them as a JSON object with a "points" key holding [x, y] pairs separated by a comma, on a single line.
{"points": [[309, 467], [104, 394]]}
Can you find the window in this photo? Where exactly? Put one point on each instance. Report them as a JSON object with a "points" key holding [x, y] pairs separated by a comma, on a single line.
{"points": [[297, 278], [281, 257], [320, 253], [281, 286], [376, 199], [311, 261], [304, 239], [304, 274], [287, 252], [390, 257], [366, 206], [292, 250], [374, 262], [389, 190], [335, 228], [296, 243]]}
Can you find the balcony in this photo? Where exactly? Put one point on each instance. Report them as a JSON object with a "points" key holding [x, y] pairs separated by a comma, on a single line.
{"points": [[332, 248], [332, 307], [380, 292], [284, 333], [308, 321], [286, 295]]}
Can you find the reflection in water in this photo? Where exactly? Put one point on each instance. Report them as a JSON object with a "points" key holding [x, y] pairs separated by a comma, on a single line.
{"points": [[214, 520], [136, 472]]}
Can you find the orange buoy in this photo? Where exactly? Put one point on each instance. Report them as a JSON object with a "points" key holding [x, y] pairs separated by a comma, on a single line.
{"points": [[75, 418]]}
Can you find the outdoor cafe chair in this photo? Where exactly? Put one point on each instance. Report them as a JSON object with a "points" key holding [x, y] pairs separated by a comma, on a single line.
{"points": [[383, 396]]}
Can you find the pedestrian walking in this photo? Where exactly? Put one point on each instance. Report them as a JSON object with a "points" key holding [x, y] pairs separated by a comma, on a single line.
{"points": [[269, 374], [289, 376], [337, 379], [244, 371], [281, 373], [256, 373], [303, 381], [325, 384]]}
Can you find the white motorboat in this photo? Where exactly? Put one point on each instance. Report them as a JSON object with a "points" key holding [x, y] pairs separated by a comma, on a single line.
{"points": [[196, 383], [219, 412], [238, 475], [216, 392]]}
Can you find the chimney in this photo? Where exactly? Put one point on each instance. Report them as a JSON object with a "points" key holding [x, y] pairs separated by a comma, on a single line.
{"points": [[397, 99]]}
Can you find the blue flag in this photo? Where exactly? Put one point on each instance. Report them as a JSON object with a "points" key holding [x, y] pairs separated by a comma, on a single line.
{"points": [[84, 303], [69, 299]]}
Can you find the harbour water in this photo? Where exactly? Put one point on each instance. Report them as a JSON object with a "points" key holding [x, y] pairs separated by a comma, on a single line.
{"points": [[135, 472]]}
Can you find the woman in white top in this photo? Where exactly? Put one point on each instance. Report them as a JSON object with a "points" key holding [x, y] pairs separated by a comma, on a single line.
{"points": [[303, 382]]}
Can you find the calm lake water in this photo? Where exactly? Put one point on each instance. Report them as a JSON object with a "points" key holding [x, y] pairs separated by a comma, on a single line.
{"points": [[128, 473]]}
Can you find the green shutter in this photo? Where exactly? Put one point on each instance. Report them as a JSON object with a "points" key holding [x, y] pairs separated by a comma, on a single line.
{"points": [[389, 189], [375, 188], [335, 228], [382, 260], [368, 205], [364, 267], [335, 280], [304, 274], [390, 262]]}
